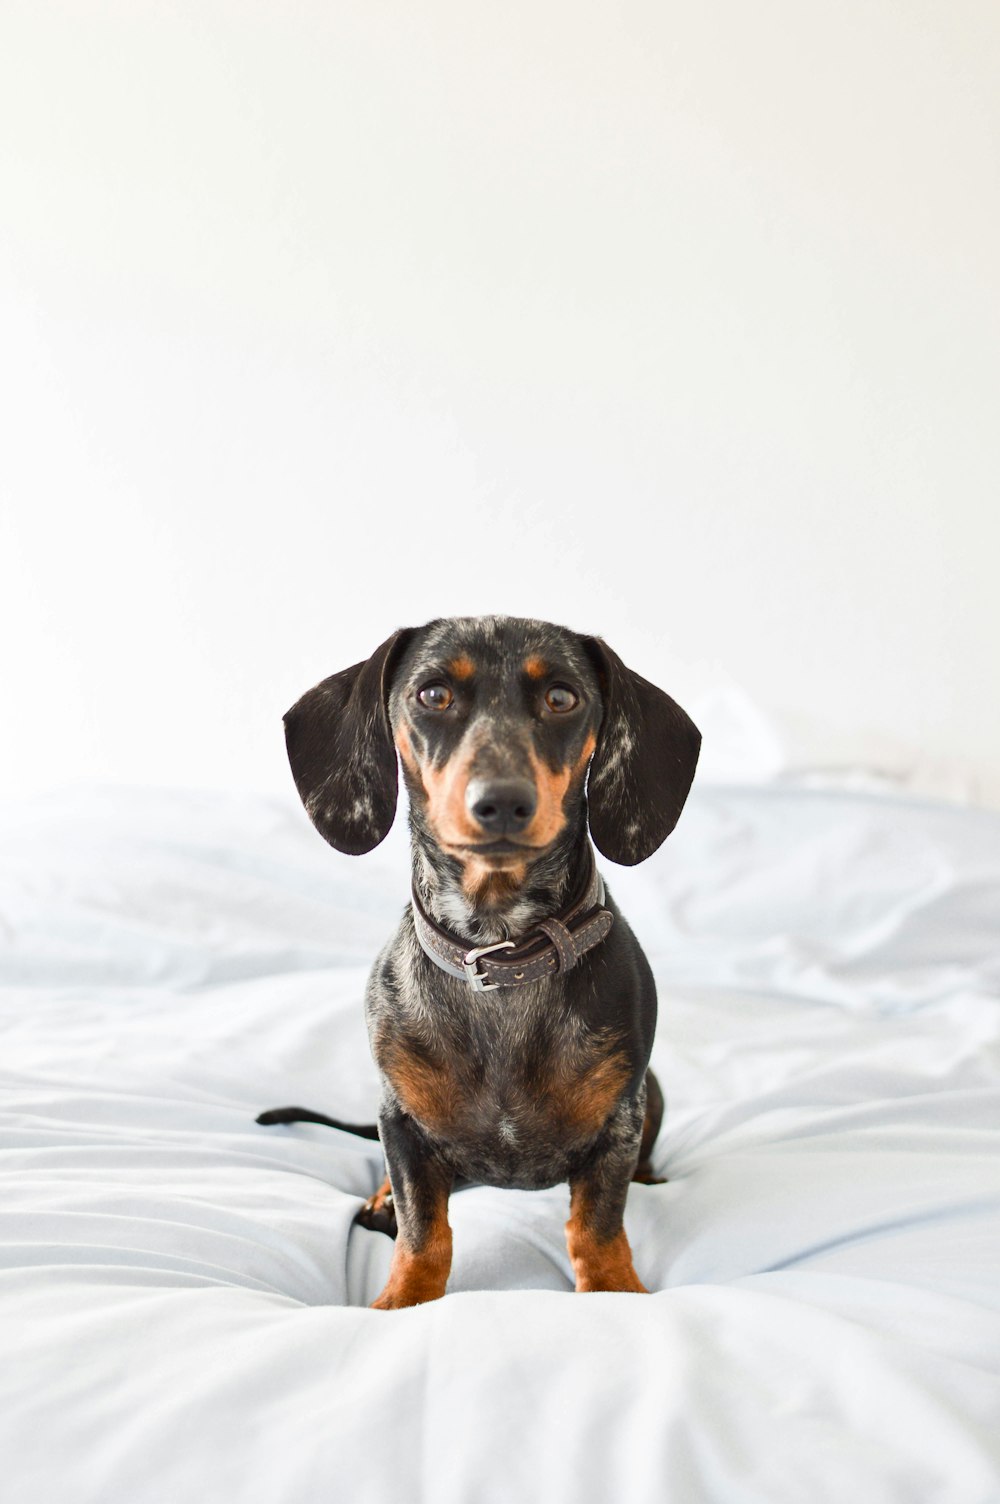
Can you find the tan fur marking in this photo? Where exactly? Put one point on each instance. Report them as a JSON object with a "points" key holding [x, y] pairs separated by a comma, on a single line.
{"points": [[419, 1275], [583, 1104], [552, 788], [587, 753], [535, 667], [445, 789], [461, 667], [426, 1090], [598, 1265], [487, 885], [405, 747]]}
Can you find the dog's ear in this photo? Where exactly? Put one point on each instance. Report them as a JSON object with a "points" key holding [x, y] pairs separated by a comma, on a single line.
{"points": [[643, 765], [342, 754]]}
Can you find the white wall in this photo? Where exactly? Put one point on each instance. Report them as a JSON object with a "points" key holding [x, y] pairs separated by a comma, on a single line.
{"points": [[676, 323]]}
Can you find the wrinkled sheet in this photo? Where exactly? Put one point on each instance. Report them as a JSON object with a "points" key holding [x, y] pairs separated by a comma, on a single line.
{"points": [[183, 1295]]}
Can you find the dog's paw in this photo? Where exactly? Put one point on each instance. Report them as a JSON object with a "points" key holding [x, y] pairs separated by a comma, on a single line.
{"points": [[379, 1213], [645, 1175]]}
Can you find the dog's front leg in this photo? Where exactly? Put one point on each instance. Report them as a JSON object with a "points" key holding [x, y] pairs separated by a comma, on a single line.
{"points": [[421, 1258], [595, 1236]]}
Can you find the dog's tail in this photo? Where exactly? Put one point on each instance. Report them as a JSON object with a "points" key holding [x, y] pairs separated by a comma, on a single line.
{"points": [[303, 1115]]}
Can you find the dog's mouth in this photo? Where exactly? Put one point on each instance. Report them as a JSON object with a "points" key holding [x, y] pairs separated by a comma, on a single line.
{"points": [[502, 853], [499, 848]]}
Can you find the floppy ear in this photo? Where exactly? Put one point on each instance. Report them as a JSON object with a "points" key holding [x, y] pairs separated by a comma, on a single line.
{"points": [[643, 766], [342, 754]]}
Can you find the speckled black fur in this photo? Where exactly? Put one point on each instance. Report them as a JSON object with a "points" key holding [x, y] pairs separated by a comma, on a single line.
{"points": [[493, 1087]]}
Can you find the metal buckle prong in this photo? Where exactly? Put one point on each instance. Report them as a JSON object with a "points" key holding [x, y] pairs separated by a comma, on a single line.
{"points": [[473, 976]]}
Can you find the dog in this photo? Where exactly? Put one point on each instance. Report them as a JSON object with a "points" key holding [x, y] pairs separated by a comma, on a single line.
{"points": [[512, 1014]]}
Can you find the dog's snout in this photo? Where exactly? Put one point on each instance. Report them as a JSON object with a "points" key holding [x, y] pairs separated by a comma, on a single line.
{"points": [[502, 806]]}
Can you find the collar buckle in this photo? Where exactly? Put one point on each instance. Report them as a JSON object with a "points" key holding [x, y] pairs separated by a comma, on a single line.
{"points": [[470, 965]]}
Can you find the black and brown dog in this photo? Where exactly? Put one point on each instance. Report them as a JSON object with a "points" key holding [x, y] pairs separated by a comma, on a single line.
{"points": [[512, 1014]]}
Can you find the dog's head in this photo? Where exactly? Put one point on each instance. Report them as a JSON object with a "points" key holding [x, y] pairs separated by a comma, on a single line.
{"points": [[496, 721]]}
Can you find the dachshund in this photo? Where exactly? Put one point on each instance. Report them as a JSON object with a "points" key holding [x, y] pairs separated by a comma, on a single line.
{"points": [[520, 743]]}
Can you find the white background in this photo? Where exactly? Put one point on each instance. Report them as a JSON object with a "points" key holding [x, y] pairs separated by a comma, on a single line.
{"points": [[675, 323]]}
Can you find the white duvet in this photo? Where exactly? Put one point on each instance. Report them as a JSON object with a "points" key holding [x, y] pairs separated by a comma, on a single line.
{"points": [[183, 1295]]}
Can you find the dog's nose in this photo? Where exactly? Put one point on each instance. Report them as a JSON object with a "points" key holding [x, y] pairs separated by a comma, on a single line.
{"points": [[502, 806]]}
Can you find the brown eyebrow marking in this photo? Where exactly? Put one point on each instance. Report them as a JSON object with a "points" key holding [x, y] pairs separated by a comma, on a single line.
{"points": [[535, 667], [461, 667]]}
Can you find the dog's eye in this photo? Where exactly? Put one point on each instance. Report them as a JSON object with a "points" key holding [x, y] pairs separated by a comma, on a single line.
{"points": [[435, 696], [560, 698]]}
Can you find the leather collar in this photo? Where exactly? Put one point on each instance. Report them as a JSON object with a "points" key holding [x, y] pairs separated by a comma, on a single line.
{"points": [[553, 946]]}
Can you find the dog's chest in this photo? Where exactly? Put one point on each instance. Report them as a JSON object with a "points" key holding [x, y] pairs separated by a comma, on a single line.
{"points": [[512, 1083]]}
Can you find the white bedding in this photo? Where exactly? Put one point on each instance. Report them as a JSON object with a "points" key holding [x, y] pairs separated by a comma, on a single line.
{"points": [[183, 1296]]}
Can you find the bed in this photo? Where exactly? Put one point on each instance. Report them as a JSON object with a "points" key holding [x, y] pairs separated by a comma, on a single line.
{"points": [[183, 1296]]}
